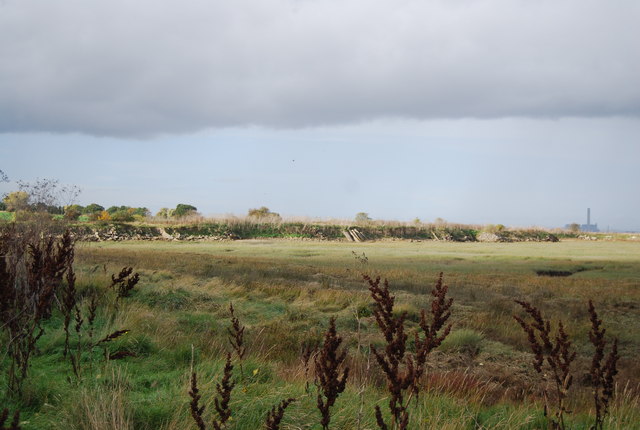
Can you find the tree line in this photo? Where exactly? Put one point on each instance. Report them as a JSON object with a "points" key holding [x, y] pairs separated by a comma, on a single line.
{"points": [[49, 196]]}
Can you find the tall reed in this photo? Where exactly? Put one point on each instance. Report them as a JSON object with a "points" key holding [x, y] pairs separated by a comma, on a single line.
{"points": [[558, 355], [222, 400], [32, 267], [124, 282], [404, 370], [15, 422], [329, 362], [274, 417], [602, 373], [236, 337]]}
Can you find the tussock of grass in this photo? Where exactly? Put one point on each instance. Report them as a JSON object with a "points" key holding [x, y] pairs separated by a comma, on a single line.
{"points": [[101, 407], [464, 341]]}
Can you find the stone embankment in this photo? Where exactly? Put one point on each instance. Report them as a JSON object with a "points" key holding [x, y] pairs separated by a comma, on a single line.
{"points": [[209, 232]]}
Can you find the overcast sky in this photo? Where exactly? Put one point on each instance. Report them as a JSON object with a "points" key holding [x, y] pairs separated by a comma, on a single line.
{"points": [[478, 111]]}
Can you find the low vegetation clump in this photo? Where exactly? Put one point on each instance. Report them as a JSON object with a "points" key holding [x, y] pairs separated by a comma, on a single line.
{"points": [[464, 341]]}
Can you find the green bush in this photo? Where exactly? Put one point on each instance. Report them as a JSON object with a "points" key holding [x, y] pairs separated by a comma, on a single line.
{"points": [[72, 212], [183, 210], [122, 216], [126, 209], [17, 200], [92, 208]]}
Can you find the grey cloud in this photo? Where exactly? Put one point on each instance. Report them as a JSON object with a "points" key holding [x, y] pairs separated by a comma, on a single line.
{"points": [[146, 67]]}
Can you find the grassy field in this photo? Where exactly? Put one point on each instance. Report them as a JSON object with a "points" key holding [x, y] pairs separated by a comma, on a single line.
{"points": [[285, 291]]}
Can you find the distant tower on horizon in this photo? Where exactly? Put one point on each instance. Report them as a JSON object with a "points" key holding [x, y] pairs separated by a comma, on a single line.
{"points": [[592, 228]]}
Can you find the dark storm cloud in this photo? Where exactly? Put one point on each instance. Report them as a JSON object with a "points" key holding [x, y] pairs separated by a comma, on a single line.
{"points": [[149, 67]]}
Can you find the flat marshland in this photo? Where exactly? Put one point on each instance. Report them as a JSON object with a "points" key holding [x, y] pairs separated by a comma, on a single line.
{"points": [[285, 291]]}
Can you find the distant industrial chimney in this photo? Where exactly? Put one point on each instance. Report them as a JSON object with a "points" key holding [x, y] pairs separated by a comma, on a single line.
{"points": [[588, 227]]}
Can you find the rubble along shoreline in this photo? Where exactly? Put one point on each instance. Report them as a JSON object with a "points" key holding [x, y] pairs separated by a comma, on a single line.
{"points": [[216, 232]]}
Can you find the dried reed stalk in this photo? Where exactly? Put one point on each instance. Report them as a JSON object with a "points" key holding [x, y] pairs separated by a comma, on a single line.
{"points": [[602, 374], [274, 417], [124, 282], [392, 359], [236, 337], [15, 422], [221, 401], [70, 306], [68, 300], [196, 410], [557, 354], [76, 357], [404, 370], [436, 332], [307, 352], [328, 363], [113, 336], [224, 389], [32, 268]]}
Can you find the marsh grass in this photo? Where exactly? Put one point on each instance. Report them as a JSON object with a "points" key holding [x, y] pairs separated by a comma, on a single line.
{"points": [[464, 341], [101, 407], [286, 291]]}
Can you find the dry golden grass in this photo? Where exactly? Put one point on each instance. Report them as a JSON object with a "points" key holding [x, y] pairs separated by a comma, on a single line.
{"points": [[101, 408]]}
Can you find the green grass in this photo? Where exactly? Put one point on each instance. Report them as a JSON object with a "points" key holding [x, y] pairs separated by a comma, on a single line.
{"points": [[284, 293], [464, 340], [7, 216]]}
